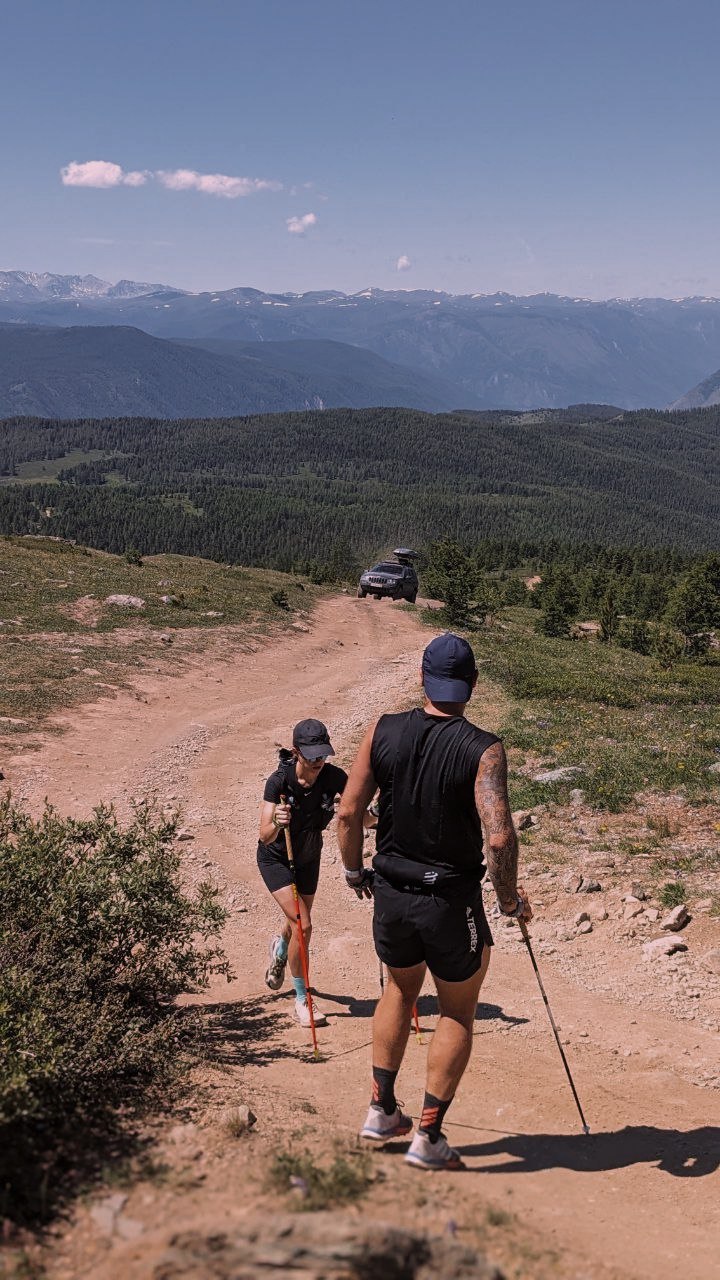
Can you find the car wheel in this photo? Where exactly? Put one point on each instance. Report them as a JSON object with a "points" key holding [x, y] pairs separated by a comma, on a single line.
{"points": [[361, 593], [412, 597]]}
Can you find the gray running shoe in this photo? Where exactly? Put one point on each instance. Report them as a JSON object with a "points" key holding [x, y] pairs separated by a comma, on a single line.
{"points": [[425, 1154], [379, 1127], [275, 973]]}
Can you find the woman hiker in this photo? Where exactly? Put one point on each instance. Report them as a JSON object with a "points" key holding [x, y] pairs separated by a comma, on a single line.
{"points": [[310, 787]]}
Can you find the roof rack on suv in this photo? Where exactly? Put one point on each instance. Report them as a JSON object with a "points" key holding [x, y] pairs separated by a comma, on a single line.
{"points": [[406, 554]]}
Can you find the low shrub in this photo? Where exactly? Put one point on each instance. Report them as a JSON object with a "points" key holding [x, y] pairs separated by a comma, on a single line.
{"points": [[342, 1181], [97, 938]]}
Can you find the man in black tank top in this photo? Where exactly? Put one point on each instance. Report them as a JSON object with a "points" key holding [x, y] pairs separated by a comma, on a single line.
{"points": [[443, 783]]}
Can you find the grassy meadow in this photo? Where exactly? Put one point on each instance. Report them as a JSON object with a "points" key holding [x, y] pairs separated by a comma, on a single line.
{"points": [[61, 643]]}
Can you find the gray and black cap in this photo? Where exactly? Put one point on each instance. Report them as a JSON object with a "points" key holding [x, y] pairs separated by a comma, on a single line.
{"points": [[312, 740]]}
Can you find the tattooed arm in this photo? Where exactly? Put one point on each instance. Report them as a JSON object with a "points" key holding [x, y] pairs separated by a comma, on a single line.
{"points": [[501, 847]]}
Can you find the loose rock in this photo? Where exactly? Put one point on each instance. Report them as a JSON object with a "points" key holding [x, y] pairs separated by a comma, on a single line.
{"points": [[561, 774], [676, 919], [662, 947], [126, 602]]}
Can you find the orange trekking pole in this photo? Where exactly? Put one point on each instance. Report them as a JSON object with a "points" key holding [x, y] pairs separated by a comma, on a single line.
{"points": [[301, 935]]}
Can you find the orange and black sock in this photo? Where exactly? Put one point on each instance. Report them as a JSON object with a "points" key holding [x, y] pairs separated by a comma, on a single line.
{"points": [[383, 1094], [433, 1114]]}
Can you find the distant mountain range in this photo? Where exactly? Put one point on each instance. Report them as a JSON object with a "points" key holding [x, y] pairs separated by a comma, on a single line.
{"points": [[489, 351], [114, 371]]}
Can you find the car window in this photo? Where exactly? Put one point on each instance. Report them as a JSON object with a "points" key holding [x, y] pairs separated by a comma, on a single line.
{"points": [[395, 569]]}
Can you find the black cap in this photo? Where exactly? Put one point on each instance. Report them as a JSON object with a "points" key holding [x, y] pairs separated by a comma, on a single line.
{"points": [[312, 740], [448, 669]]}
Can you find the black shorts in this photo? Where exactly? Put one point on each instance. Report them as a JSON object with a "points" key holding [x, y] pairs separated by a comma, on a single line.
{"points": [[448, 935], [275, 871]]}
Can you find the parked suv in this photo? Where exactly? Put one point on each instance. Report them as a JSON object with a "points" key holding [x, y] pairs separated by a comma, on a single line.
{"points": [[394, 578]]}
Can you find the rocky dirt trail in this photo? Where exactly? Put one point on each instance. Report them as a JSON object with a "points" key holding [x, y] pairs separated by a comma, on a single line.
{"points": [[638, 1198]]}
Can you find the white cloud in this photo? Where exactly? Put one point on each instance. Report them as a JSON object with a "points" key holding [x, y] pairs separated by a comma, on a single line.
{"points": [[403, 263], [298, 226], [104, 173], [100, 173], [214, 184]]}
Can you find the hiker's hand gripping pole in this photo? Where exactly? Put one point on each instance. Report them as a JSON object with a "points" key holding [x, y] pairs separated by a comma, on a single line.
{"points": [[526, 940], [301, 935]]}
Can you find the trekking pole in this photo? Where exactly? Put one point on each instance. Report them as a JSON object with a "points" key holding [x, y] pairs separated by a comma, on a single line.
{"points": [[526, 940], [301, 936]]}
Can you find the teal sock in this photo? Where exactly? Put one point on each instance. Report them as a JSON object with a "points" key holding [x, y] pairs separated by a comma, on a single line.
{"points": [[300, 990], [281, 950]]}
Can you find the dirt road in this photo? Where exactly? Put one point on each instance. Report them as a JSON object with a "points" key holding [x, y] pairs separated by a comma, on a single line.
{"points": [[639, 1198]]}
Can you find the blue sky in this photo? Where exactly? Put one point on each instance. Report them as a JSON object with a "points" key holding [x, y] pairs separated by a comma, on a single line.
{"points": [[466, 145]]}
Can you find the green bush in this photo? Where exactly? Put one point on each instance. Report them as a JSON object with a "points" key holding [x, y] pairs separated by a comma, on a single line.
{"points": [[97, 938]]}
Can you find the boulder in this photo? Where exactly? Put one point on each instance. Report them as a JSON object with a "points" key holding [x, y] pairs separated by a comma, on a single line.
{"points": [[126, 602], [676, 919], [577, 796], [562, 774], [658, 947], [588, 885], [714, 768], [237, 1120], [585, 927], [522, 819], [327, 1244]]}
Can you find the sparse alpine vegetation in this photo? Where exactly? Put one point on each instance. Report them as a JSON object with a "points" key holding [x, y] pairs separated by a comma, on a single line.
{"points": [[63, 640]]}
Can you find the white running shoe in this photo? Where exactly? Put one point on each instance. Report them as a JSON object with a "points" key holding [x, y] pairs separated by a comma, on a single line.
{"points": [[433, 1155], [379, 1127], [302, 1013], [275, 972]]}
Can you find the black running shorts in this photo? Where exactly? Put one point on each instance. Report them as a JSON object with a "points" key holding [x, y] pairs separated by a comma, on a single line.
{"points": [[449, 936], [275, 871]]}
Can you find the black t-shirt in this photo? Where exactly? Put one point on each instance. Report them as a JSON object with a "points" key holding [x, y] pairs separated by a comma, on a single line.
{"points": [[312, 808], [428, 831]]}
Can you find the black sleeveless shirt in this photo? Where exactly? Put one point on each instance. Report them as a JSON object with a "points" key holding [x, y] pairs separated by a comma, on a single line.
{"points": [[428, 832]]}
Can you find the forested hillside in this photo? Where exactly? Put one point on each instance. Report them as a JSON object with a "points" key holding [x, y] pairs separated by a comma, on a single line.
{"points": [[280, 490], [98, 371]]}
